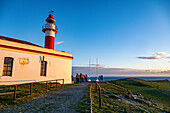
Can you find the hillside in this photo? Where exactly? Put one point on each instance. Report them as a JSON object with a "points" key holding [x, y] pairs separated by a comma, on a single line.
{"points": [[132, 95], [158, 91]]}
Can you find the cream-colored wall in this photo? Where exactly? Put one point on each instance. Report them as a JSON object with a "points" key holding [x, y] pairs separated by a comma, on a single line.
{"points": [[57, 67]]}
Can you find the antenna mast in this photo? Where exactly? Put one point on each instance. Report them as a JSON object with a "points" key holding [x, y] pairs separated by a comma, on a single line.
{"points": [[97, 70], [89, 71]]}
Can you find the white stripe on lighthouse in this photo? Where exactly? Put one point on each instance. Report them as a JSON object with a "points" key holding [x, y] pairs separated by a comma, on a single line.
{"points": [[50, 33], [51, 26]]}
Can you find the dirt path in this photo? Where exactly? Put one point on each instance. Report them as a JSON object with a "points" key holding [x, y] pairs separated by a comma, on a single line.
{"points": [[64, 100]]}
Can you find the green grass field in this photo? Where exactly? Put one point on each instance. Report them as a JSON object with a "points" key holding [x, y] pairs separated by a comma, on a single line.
{"points": [[159, 91]]}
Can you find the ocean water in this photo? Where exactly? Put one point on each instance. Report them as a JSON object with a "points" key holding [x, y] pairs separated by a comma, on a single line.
{"points": [[106, 78]]}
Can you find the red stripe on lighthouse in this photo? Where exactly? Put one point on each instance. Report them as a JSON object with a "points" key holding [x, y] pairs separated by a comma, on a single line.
{"points": [[49, 42]]}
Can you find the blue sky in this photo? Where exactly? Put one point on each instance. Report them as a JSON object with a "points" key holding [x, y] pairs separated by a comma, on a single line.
{"points": [[114, 31]]}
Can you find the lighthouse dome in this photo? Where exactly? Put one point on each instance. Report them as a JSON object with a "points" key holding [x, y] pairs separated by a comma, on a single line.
{"points": [[50, 16], [50, 19]]}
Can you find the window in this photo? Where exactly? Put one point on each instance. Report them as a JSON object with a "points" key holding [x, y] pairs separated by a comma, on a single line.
{"points": [[7, 69], [43, 68], [50, 21]]}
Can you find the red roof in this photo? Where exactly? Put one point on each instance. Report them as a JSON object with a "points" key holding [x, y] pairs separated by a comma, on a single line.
{"points": [[50, 16], [18, 41]]}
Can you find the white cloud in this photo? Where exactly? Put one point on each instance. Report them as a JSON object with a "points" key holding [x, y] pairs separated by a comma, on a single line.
{"points": [[59, 42], [115, 71], [151, 58], [156, 56], [99, 65], [91, 65], [161, 53]]}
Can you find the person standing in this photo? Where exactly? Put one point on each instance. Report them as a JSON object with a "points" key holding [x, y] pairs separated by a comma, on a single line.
{"points": [[101, 78], [77, 78], [72, 78], [85, 76], [81, 77]]}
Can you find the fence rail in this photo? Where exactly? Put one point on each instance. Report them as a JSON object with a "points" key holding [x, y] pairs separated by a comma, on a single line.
{"points": [[99, 88], [1, 86], [31, 86]]}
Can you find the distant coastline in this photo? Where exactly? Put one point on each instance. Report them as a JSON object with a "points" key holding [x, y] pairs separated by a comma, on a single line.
{"points": [[150, 78]]}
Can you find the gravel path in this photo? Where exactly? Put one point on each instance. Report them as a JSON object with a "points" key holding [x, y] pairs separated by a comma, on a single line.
{"points": [[64, 100]]}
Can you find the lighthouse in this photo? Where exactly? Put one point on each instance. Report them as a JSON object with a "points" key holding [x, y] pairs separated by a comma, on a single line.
{"points": [[50, 30], [18, 57]]}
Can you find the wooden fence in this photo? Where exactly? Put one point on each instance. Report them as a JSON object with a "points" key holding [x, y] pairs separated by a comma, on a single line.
{"points": [[55, 81]]}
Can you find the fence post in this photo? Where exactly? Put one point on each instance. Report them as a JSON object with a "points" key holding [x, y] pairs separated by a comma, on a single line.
{"points": [[63, 81], [100, 103], [91, 111], [31, 87], [96, 86], [47, 85], [15, 93]]}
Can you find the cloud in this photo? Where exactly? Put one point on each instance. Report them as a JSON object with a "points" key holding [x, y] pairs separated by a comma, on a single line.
{"points": [[152, 58], [161, 53], [113, 71], [156, 56], [99, 65], [59, 42], [91, 65]]}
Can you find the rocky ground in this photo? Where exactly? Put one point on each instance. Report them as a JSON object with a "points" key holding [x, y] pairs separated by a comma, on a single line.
{"points": [[65, 100]]}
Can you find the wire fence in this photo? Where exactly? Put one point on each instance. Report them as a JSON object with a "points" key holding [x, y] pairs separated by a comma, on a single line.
{"points": [[99, 89]]}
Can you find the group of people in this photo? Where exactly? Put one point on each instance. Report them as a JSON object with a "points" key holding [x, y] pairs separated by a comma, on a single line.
{"points": [[80, 78]]}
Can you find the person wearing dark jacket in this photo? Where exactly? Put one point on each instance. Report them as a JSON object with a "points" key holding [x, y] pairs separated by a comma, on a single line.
{"points": [[77, 78], [81, 77], [85, 76]]}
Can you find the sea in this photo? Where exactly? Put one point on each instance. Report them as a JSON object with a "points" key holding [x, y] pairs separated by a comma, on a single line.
{"points": [[106, 78]]}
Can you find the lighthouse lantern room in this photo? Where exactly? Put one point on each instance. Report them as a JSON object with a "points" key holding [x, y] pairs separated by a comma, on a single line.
{"points": [[50, 30]]}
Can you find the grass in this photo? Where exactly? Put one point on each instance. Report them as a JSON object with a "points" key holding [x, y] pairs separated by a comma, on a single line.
{"points": [[84, 104], [158, 91], [149, 89], [111, 105], [23, 94]]}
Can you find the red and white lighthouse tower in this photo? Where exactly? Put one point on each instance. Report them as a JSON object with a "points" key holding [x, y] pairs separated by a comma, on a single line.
{"points": [[50, 30]]}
